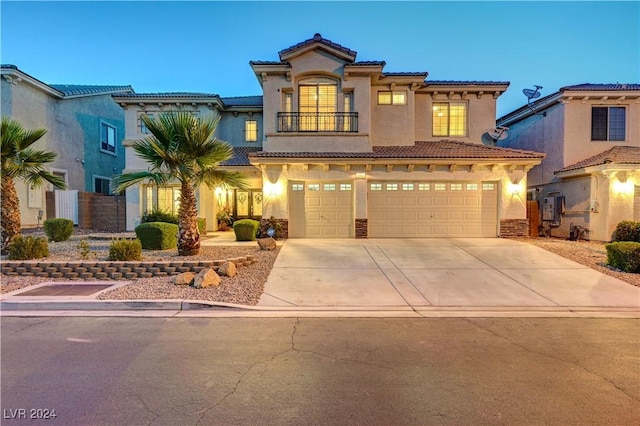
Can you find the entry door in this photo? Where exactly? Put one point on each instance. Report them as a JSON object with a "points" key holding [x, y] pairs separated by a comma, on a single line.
{"points": [[248, 203]]}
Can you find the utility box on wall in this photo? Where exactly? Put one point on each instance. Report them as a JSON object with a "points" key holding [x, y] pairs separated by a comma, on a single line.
{"points": [[552, 209]]}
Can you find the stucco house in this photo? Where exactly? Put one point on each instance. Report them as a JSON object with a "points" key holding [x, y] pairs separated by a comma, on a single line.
{"points": [[590, 178], [85, 127], [337, 147]]}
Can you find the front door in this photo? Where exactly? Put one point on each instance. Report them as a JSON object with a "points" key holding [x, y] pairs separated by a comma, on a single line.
{"points": [[248, 203]]}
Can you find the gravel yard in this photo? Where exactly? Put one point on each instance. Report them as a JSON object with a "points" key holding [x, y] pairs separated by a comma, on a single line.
{"points": [[589, 253], [245, 288]]}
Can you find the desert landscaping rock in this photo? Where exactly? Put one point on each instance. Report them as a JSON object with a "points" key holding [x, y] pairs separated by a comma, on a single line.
{"points": [[206, 278], [227, 269], [267, 243], [186, 278]]}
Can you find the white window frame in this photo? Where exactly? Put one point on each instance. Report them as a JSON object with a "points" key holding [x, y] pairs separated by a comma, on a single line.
{"points": [[392, 97], [250, 134]]}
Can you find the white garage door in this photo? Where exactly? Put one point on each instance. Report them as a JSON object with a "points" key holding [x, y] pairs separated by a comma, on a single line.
{"points": [[432, 209], [321, 210]]}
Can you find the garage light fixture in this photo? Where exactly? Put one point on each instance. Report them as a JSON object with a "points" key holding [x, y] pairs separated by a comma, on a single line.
{"points": [[360, 175]]}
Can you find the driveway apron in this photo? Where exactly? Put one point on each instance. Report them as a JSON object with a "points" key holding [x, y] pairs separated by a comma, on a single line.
{"points": [[431, 273]]}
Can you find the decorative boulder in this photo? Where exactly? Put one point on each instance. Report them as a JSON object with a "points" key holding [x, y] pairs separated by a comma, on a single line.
{"points": [[267, 243], [227, 269], [185, 278], [206, 278]]}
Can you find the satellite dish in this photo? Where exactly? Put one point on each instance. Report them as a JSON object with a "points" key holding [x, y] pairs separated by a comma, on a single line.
{"points": [[531, 94], [491, 136]]}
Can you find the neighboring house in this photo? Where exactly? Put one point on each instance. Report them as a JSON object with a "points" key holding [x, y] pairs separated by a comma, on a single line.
{"points": [[590, 177], [85, 127], [339, 148]]}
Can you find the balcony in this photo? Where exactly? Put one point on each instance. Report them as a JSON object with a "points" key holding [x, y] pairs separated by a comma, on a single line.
{"points": [[318, 122]]}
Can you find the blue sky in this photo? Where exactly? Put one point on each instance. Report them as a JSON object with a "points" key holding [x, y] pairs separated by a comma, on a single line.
{"points": [[206, 46]]}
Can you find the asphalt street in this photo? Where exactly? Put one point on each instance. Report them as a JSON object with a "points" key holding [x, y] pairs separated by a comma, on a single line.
{"points": [[284, 371]]}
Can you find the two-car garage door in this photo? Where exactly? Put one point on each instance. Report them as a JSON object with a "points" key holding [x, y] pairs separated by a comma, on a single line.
{"points": [[432, 209], [396, 209]]}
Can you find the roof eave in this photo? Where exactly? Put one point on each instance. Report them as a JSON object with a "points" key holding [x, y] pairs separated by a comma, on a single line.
{"points": [[15, 75]]}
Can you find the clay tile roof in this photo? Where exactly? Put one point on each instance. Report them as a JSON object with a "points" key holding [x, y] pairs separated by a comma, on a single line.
{"points": [[82, 89], [242, 101], [615, 155], [465, 83], [601, 87], [171, 95], [268, 63], [241, 155], [368, 63], [317, 37], [421, 150]]}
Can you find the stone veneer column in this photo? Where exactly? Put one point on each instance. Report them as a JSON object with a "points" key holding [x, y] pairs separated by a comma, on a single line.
{"points": [[514, 227], [362, 228]]}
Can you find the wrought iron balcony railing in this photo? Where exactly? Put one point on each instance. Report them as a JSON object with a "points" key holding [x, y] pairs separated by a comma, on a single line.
{"points": [[318, 122]]}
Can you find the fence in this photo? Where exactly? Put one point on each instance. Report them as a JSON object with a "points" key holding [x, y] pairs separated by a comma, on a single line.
{"points": [[93, 211]]}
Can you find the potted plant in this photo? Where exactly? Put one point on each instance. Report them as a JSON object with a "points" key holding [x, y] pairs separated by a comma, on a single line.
{"points": [[225, 221]]}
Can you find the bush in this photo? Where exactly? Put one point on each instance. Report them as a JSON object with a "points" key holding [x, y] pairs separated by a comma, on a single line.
{"points": [[202, 225], [627, 230], [624, 255], [125, 249], [159, 216], [246, 229], [25, 248], [58, 229], [157, 235]]}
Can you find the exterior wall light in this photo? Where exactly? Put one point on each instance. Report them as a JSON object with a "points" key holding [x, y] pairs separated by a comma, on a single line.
{"points": [[273, 189], [360, 175], [623, 188]]}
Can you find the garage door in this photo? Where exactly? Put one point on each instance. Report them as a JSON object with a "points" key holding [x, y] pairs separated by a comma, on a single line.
{"points": [[432, 209], [321, 210]]}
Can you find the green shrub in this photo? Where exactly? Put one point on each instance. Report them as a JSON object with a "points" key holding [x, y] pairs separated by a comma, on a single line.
{"points": [[25, 248], [246, 229], [58, 229], [157, 235], [624, 255], [202, 225], [159, 216], [627, 230], [125, 249]]}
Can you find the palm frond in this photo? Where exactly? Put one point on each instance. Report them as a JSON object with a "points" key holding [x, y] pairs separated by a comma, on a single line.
{"points": [[216, 177], [42, 176], [126, 180]]}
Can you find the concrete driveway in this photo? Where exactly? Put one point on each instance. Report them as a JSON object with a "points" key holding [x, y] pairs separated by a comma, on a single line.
{"points": [[430, 274]]}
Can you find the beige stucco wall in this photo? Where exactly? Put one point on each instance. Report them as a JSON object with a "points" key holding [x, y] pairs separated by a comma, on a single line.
{"points": [[393, 124], [577, 129]]}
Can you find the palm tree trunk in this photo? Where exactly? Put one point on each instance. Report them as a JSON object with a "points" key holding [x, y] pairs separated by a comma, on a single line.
{"points": [[188, 234], [10, 207]]}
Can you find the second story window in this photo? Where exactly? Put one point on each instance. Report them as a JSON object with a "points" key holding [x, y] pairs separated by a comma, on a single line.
{"points": [[107, 137], [449, 119], [318, 104], [608, 123], [392, 98], [143, 127], [250, 130]]}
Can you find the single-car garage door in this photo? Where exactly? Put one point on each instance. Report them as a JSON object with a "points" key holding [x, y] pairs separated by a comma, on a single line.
{"points": [[321, 210], [432, 209]]}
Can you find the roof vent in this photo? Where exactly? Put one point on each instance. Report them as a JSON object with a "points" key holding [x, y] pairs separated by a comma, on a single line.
{"points": [[317, 37]]}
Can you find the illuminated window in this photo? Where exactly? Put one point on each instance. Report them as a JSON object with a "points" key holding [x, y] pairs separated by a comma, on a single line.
{"points": [[376, 187], [313, 187], [318, 106], [456, 187], [608, 123], [488, 186], [345, 187], [392, 98], [329, 186], [392, 187], [440, 186], [424, 187], [297, 187], [167, 199], [407, 187], [449, 119], [347, 108], [251, 130], [472, 187]]}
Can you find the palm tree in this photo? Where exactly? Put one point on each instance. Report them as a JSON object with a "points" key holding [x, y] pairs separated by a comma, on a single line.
{"points": [[182, 148], [20, 161]]}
